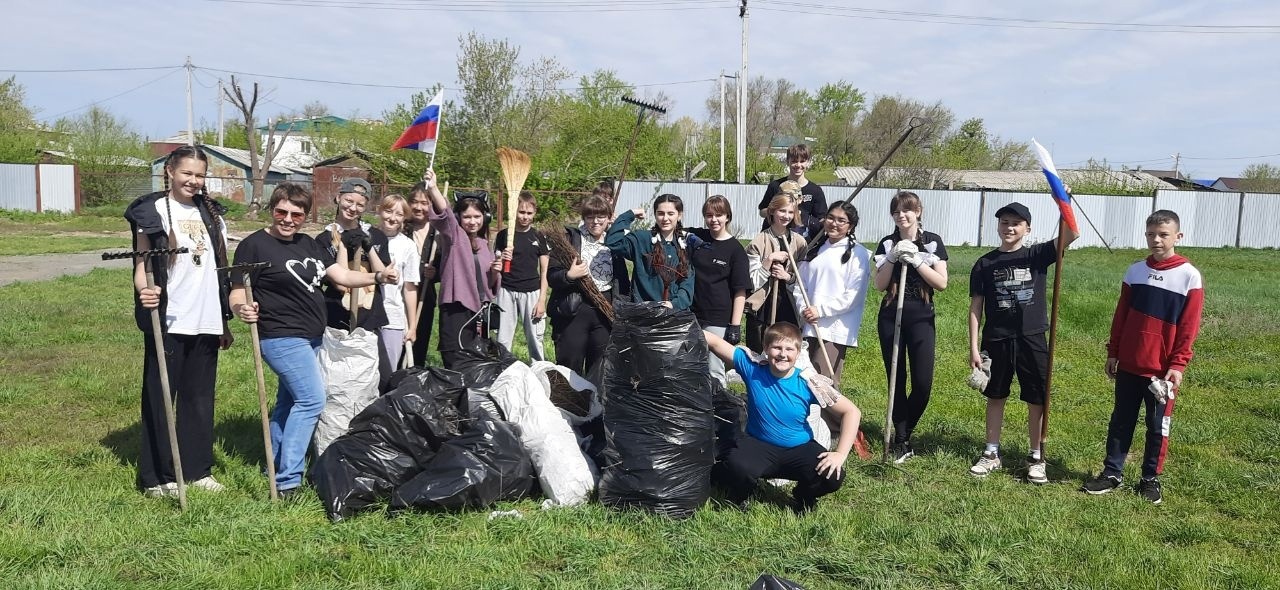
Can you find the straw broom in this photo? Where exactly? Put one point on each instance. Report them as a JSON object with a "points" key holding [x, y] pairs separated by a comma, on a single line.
{"points": [[515, 169]]}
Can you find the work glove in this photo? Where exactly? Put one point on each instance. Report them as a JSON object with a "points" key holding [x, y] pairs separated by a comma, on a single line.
{"points": [[1162, 389], [895, 253], [915, 259], [733, 334], [979, 377], [357, 238]]}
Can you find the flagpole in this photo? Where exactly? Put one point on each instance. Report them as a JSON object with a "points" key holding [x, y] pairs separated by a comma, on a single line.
{"points": [[1053, 334], [439, 124]]}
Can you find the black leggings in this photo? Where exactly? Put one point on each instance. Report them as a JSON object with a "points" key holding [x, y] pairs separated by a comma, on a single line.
{"points": [[917, 349], [580, 344], [457, 332], [193, 368]]}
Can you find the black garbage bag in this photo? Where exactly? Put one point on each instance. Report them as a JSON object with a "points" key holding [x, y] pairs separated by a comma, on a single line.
{"points": [[389, 441], [483, 465], [657, 412], [731, 418], [481, 361], [772, 582]]}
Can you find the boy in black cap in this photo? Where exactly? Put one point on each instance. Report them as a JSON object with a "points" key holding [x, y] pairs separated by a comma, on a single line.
{"points": [[1008, 285]]}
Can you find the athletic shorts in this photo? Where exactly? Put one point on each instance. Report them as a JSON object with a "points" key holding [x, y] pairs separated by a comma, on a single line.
{"points": [[1028, 356]]}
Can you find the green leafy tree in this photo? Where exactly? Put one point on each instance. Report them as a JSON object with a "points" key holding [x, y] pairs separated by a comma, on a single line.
{"points": [[111, 157], [1260, 178], [19, 132]]}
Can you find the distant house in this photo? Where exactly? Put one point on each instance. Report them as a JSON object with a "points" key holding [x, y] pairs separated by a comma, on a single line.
{"points": [[229, 174], [329, 174], [299, 149], [161, 147], [1227, 184]]}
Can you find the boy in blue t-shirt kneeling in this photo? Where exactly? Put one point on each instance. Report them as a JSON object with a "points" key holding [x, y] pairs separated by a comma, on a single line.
{"points": [[778, 441]]}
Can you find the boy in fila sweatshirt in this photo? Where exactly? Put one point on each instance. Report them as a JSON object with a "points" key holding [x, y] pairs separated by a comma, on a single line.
{"points": [[1154, 326]]}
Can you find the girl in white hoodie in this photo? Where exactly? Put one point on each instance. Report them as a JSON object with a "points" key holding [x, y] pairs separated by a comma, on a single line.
{"points": [[834, 272]]}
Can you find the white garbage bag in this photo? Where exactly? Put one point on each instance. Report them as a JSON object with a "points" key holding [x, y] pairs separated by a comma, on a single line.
{"points": [[566, 475], [577, 383], [349, 367]]}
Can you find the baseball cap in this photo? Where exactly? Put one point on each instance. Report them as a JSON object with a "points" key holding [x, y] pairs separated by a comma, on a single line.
{"points": [[1015, 208], [355, 185]]}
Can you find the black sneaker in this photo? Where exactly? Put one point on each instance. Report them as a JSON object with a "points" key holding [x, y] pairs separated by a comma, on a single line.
{"points": [[1101, 484], [1149, 489], [902, 451]]}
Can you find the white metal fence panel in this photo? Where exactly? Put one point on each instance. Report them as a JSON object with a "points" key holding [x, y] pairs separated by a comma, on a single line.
{"points": [[58, 187], [1125, 218], [873, 210], [18, 187], [1096, 207], [1208, 219], [1260, 223], [950, 214]]}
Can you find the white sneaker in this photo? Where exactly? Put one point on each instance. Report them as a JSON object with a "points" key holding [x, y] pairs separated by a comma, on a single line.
{"points": [[164, 490], [987, 463], [1036, 471], [207, 483]]}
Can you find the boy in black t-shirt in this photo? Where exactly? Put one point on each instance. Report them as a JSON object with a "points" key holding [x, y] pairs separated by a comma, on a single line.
{"points": [[1008, 285], [812, 205], [523, 297]]}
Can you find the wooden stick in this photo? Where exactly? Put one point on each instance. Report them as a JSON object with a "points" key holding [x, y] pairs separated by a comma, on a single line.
{"points": [[1053, 334], [171, 419], [262, 392], [893, 365]]}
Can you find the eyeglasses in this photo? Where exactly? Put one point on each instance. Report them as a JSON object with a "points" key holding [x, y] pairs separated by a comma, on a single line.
{"points": [[296, 216], [837, 220], [350, 204]]}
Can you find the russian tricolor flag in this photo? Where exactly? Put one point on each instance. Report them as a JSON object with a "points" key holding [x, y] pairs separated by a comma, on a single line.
{"points": [[422, 133], [1055, 186]]}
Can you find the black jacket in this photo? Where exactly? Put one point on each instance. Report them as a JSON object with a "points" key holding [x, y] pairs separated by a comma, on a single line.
{"points": [[566, 295], [144, 219]]}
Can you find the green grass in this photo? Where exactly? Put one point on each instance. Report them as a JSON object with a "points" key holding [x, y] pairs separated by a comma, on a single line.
{"points": [[70, 518], [98, 228]]}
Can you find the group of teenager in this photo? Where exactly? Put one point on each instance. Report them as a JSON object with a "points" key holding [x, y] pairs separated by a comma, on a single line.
{"points": [[801, 282]]}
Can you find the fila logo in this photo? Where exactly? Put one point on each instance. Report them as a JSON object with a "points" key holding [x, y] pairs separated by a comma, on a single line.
{"points": [[1155, 277]]}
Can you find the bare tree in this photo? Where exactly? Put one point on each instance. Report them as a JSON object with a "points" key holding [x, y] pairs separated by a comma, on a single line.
{"points": [[260, 156]]}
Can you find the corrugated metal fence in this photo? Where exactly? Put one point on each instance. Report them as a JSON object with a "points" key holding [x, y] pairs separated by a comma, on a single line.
{"points": [[1209, 219], [39, 187]]}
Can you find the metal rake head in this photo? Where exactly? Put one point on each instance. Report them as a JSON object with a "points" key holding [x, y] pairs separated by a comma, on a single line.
{"points": [[644, 105], [144, 253]]}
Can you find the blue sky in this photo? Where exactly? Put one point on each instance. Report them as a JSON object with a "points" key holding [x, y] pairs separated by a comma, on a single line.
{"points": [[1130, 97]]}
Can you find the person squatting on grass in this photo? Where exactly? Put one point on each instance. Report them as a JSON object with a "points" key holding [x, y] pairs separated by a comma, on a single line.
{"points": [[523, 296], [925, 258], [1152, 332], [722, 277], [779, 442], [353, 232], [419, 228], [290, 311], [191, 297], [469, 274], [1008, 286], [771, 276], [660, 258], [812, 202], [834, 274], [399, 299], [579, 329]]}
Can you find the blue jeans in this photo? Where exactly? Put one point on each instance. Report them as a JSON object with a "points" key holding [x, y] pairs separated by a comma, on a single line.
{"points": [[299, 401]]}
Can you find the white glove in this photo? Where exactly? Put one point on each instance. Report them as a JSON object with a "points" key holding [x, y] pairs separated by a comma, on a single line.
{"points": [[915, 259], [903, 246], [1162, 389]]}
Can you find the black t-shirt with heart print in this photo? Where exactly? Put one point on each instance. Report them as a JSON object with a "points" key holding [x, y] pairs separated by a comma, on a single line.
{"points": [[288, 294]]}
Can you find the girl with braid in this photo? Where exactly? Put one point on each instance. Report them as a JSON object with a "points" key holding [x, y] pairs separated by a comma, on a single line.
{"points": [[771, 274], [925, 259], [834, 274], [660, 257], [192, 299]]}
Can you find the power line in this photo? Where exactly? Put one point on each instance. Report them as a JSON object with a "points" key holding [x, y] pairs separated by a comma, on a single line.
{"points": [[1233, 158], [420, 87], [1013, 23], [80, 70], [456, 6], [175, 70]]}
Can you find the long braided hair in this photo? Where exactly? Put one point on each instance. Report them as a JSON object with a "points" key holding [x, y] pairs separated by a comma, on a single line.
{"points": [[815, 244], [658, 256], [201, 199]]}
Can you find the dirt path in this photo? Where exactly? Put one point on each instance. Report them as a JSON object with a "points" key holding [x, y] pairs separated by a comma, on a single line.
{"points": [[43, 267]]}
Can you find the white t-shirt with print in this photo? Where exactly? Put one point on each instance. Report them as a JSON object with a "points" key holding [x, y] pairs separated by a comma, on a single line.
{"points": [[194, 302], [404, 257]]}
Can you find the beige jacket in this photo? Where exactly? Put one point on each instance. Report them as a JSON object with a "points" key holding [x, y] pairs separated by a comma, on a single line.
{"points": [[760, 248]]}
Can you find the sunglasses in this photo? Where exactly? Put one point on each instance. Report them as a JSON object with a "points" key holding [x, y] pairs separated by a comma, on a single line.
{"points": [[296, 216]]}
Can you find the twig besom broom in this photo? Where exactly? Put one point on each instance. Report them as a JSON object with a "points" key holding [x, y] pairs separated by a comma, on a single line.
{"points": [[515, 170]]}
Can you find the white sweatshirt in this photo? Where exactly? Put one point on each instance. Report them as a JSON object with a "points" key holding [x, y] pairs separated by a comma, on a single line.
{"points": [[838, 291]]}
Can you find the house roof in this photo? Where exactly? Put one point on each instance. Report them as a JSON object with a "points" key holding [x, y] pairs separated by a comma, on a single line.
{"points": [[355, 154], [311, 125], [179, 137], [1230, 182], [1013, 180], [123, 161], [240, 157]]}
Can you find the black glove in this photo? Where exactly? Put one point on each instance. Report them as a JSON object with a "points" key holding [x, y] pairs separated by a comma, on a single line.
{"points": [[733, 335], [357, 238]]}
